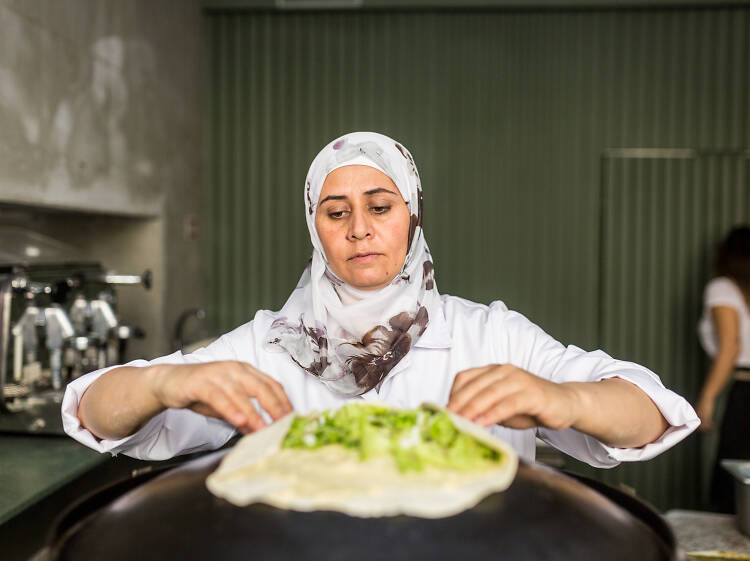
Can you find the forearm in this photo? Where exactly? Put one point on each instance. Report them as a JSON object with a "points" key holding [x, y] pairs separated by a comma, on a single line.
{"points": [[617, 413], [721, 372], [119, 402]]}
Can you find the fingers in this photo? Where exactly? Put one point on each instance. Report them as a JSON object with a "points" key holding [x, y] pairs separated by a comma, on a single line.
{"points": [[238, 419], [520, 422], [226, 389], [477, 389], [706, 425], [510, 410], [218, 400], [466, 376], [507, 395], [253, 420], [269, 393], [278, 390], [705, 413]]}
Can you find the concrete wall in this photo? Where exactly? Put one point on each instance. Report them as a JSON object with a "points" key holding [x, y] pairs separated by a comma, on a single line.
{"points": [[101, 111]]}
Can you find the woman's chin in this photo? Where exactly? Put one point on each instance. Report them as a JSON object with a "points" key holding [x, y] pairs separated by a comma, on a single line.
{"points": [[363, 282], [372, 286]]}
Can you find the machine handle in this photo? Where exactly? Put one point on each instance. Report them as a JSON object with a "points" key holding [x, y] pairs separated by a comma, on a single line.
{"points": [[146, 279]]}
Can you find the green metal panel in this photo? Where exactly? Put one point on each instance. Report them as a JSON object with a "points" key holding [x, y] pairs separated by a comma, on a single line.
{"points": [[661, 219], [508, 115], [454, 4]]}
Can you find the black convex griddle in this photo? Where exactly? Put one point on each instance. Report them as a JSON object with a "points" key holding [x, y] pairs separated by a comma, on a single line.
{"points": [[544, 515]]}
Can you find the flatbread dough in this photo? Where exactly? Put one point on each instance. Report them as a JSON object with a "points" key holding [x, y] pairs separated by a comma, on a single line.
{"points": [[333, 478]]}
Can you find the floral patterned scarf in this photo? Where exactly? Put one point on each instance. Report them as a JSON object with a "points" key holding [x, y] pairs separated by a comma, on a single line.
{"points": [[351, 348]]}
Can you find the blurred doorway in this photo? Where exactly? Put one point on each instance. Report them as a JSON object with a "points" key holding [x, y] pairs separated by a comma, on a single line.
{"points": [[662, 213]]}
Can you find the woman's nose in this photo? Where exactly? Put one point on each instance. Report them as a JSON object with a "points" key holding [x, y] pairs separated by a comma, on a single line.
{"points": [[359, 225]]}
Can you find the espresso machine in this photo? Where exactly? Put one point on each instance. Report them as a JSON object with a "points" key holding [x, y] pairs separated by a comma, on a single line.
{"points": [[57, 322]]}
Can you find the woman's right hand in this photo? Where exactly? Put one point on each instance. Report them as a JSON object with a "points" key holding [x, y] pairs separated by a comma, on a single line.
{"points": [[705, 409], [222, 390]]}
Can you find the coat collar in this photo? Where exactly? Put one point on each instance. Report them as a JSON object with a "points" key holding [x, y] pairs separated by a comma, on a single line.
{"points": [[437, 335]]}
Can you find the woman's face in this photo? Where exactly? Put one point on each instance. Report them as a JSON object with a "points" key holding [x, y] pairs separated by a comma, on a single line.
{"points": [[363, 223]]}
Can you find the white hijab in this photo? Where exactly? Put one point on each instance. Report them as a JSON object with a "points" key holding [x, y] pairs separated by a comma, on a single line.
{"points": [[347, 338]]}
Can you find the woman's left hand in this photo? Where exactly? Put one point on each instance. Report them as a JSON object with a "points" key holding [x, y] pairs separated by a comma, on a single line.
{"points": [[613, 410], [507, 395]]}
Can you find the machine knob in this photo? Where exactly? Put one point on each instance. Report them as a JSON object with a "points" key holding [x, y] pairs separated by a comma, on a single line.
{"points": [[81, 343], [129, 332]]}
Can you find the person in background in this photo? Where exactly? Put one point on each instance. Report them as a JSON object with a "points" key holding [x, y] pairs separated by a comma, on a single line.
{"points": [[724, 331]]}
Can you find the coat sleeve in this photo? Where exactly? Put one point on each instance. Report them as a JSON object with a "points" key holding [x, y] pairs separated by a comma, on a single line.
{"points": [[529, 347], [170, 433]]}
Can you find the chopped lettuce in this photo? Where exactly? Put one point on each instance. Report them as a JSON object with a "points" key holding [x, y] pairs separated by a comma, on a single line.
{"points": [[415, 438]]}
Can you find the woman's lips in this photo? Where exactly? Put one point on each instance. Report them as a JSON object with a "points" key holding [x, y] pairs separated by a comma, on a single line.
{"points": [[364, 258]]}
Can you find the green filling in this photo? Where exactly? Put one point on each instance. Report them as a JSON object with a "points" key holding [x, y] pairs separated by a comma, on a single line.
{"points": [[415, 437]]}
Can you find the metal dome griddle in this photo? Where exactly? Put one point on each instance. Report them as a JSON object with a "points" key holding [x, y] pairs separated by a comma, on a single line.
{"points": [[544, 515]]}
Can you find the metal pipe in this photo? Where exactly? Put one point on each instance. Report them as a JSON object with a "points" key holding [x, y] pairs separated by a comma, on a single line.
{"points": [[17, 353], [5, 299], [122, 279], [55, 366], [59, 330], [113, 278]]}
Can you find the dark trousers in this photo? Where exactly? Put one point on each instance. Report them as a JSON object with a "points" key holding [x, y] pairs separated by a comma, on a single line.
{"points": [[734, 443]]}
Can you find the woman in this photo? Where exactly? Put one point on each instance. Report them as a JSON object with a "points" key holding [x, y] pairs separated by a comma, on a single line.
{"points": [[725, 334], [366, 321]]}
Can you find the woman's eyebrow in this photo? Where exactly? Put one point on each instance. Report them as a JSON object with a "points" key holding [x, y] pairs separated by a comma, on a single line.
{"points": [[343, 197], [379, 190], [332, 198]]}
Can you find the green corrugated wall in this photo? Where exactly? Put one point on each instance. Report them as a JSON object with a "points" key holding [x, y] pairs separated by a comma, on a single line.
{"points": [[517, 122], [661, 216]]}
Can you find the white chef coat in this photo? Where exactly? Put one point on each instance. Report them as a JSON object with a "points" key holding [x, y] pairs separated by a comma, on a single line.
{"points": [[463, 335]]}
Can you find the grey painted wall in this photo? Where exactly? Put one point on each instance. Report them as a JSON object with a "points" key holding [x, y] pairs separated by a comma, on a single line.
{"points": [[101, 111]]}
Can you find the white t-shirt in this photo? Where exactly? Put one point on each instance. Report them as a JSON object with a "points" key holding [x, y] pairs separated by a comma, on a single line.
{"points": [[722, 291], [465, 335]]}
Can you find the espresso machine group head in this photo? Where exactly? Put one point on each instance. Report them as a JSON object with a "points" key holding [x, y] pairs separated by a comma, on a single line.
{"points": [[56, 323]]}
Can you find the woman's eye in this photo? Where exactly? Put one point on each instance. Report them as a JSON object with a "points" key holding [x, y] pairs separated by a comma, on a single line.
{"points": [[336, 214], [381, 209]]}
